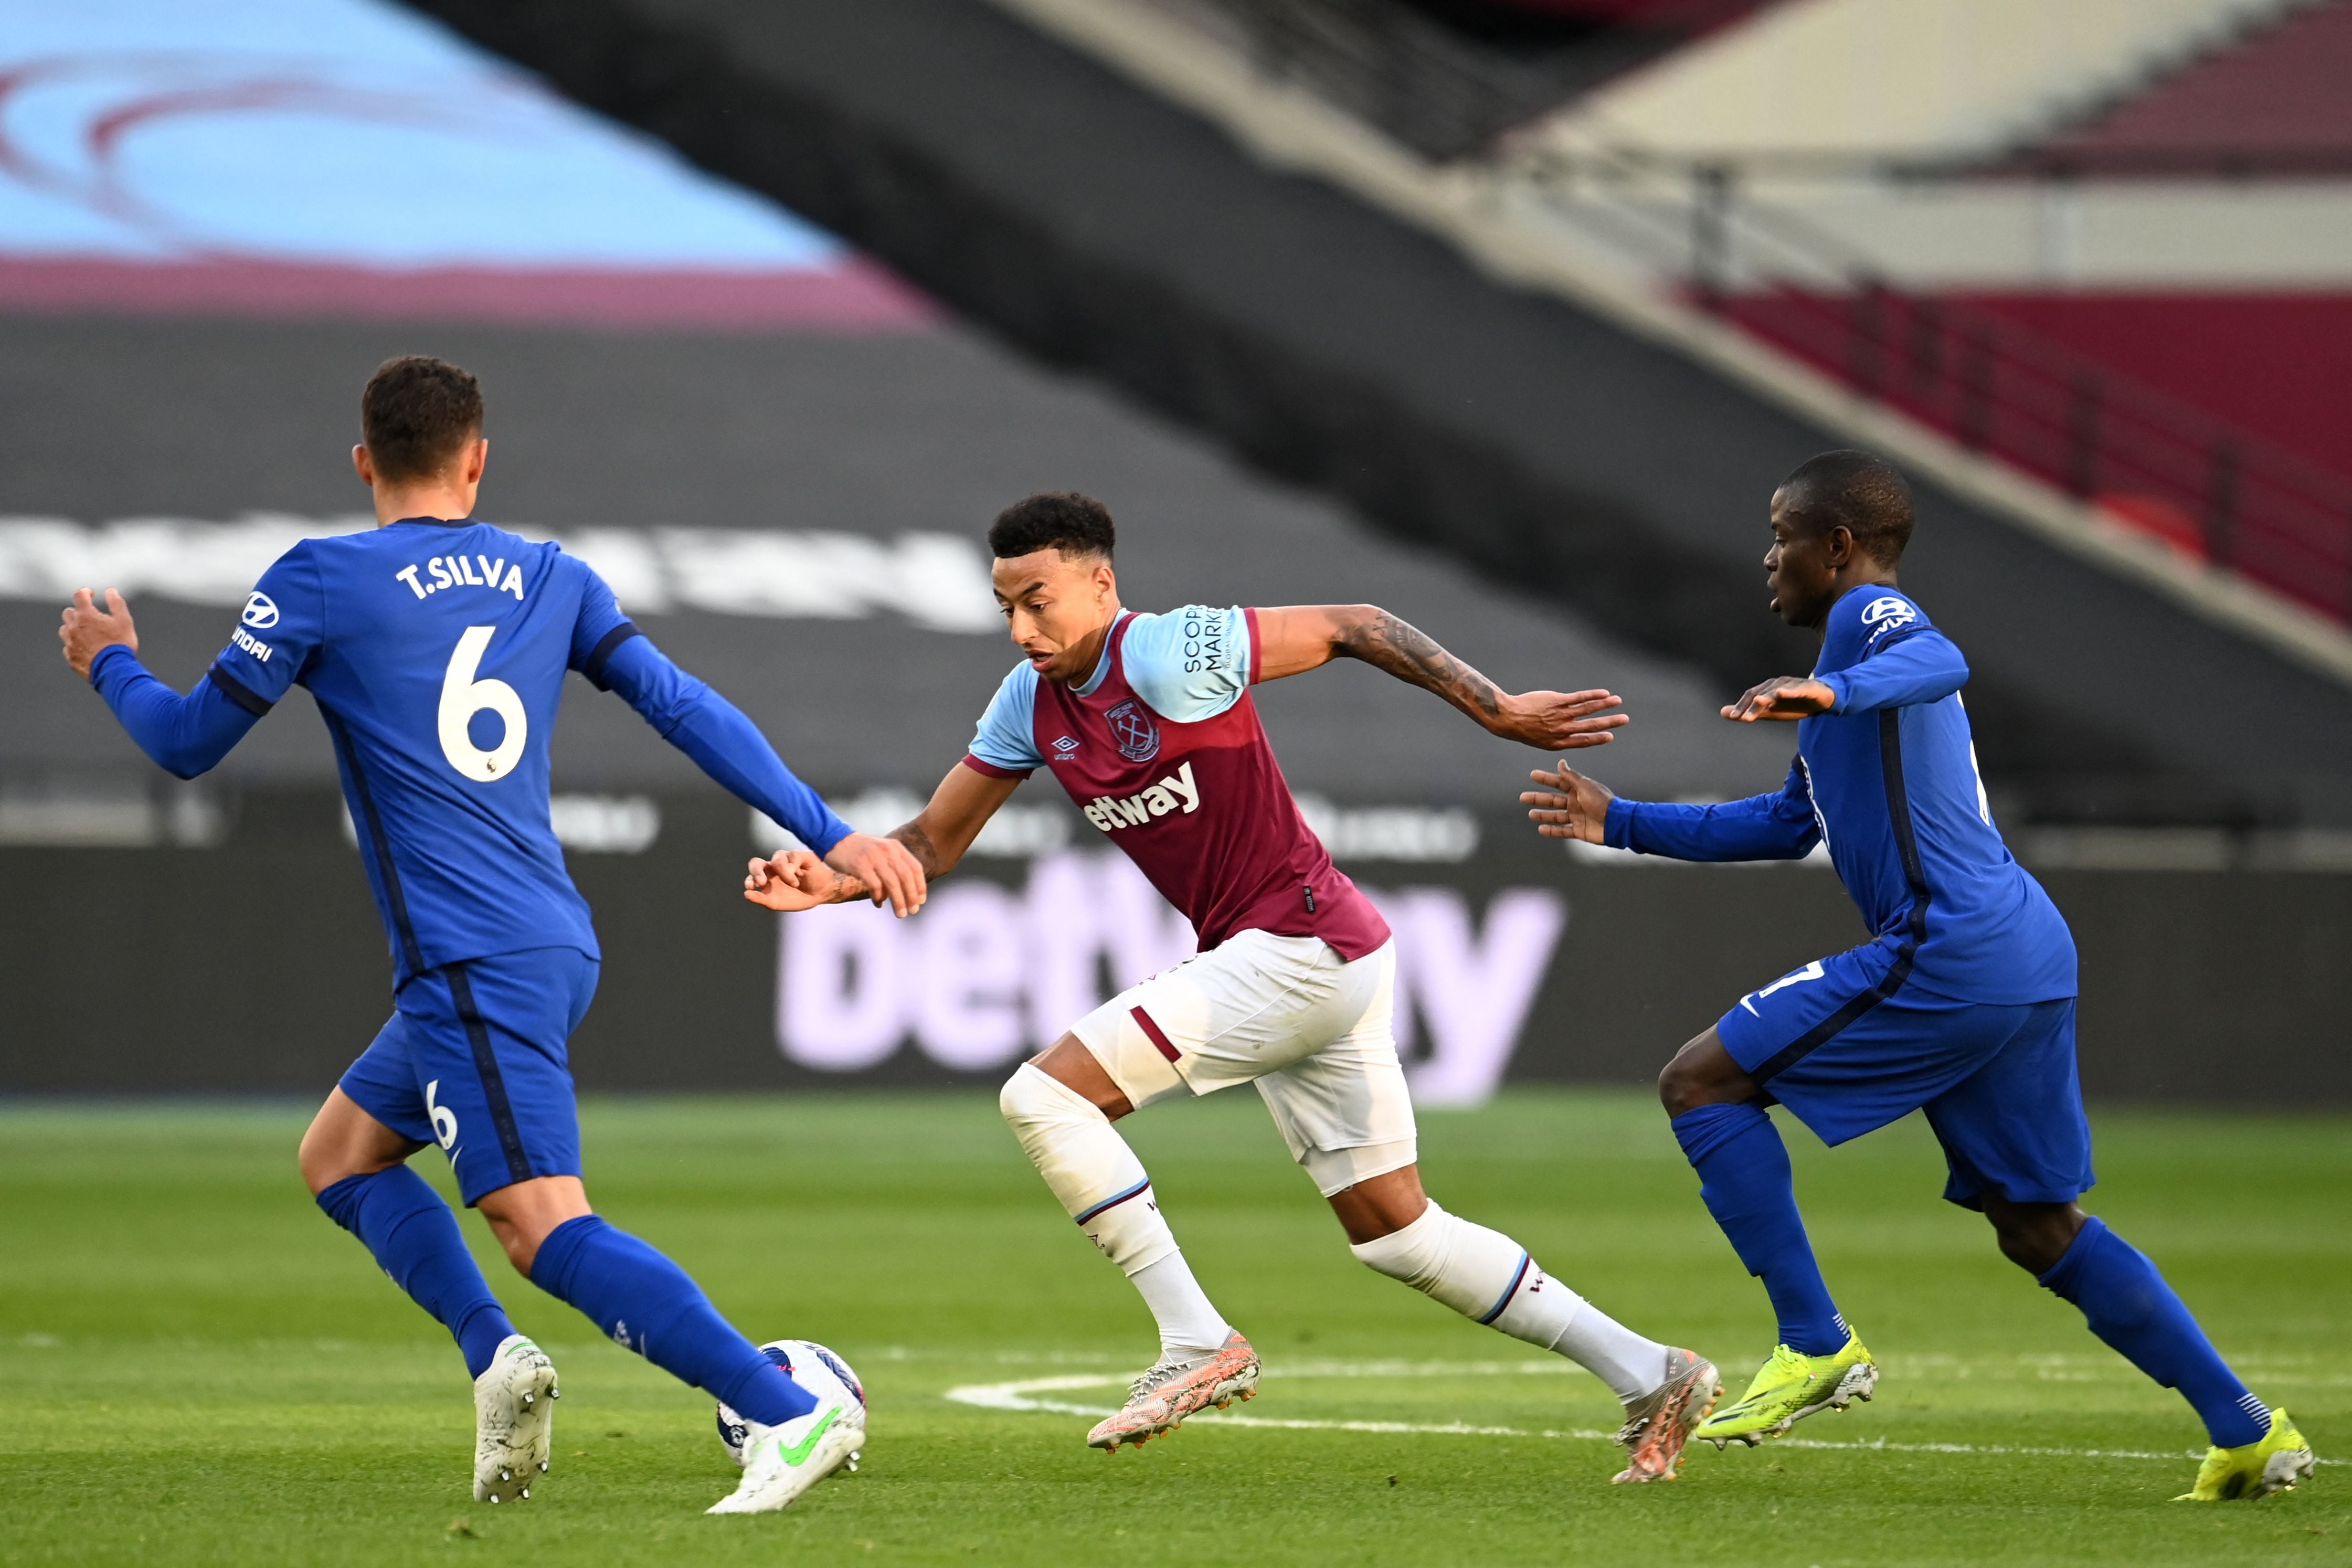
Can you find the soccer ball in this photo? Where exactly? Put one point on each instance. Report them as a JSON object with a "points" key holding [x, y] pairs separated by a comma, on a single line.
{"points": [[811, 1365]]}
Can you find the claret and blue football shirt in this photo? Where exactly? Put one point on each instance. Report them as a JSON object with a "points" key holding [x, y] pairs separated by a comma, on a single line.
{"points": [[1189, 664]]}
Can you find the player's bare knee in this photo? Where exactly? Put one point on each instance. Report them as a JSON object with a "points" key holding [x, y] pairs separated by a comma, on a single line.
{"points": [[328, 1152], [1070, 1064], [522, 1250], [316, 1159], [519, 1233], [1679, 1087], [1704, 1073], [2021, 1245], [1379, 1206], [2034, 1236]]}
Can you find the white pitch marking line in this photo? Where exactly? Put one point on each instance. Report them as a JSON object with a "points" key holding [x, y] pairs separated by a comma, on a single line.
{"points": [[1021, 1396]]}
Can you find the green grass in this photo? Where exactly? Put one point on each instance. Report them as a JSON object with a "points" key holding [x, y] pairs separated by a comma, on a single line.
{"points": [[195, 1367]]}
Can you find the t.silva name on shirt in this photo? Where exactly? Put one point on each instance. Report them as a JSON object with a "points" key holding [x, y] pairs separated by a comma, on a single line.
{"points": [[457, 572]]}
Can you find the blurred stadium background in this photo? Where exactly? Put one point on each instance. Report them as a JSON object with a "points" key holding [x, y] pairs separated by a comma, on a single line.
{"points": [[1507, 316]]}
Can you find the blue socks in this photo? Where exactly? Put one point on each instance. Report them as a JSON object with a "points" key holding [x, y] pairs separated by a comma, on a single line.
{"points": [[1745, 1179], [633, 1293], [2130, 1307], [644, 1302], [413, 1235]]}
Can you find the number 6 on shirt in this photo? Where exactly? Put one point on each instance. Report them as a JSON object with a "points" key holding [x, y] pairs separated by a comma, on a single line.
{"points": [[462, 697]]}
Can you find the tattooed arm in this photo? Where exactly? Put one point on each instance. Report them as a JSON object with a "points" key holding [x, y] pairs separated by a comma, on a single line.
{"points": [[1304, 637], [937, 838]]}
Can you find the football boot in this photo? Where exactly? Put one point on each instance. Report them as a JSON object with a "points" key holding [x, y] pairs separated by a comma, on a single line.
{"points": [[1158, 1401], [2254, 1469], [514, 1421], [1658, 1424], [1791, 1387], [780, 1463]]}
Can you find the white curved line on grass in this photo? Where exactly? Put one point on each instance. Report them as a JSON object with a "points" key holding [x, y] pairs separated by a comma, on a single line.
{"points": [[1022, 1395]]}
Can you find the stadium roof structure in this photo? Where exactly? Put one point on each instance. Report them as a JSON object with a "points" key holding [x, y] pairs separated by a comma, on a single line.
{"points": [[1940, 81], [1348, 331]]}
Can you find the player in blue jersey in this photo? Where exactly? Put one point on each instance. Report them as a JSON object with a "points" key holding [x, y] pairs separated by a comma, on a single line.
{"points": [[437, 648], [1963, 1003]]}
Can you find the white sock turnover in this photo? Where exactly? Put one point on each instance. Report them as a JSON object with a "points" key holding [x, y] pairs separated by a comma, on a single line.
{"points": [[1102, 1185], [1484, 1274]]}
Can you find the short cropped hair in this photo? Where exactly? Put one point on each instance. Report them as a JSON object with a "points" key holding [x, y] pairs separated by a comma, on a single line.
{"points": [[1858, 491], [416, 414], [1053, 519]]}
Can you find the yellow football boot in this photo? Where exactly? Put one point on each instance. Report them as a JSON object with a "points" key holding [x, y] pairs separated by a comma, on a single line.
{"points": [[2254, 1469], [1791, 1387]]}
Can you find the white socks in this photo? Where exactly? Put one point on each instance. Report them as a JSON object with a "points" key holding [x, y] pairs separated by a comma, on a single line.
{"points": [[1477, 1272], [1190, 1326], [1102, 1186], [1484, 1275]]}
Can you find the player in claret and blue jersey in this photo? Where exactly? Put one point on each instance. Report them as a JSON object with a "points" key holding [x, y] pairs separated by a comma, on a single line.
{"points": [[1963, 1003], [436, 648], [1148, 723]]}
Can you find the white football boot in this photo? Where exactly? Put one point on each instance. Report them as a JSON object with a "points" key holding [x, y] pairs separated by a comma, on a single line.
{"points": [[1660, 1422], [514, 1420], [780, 1463], [1158, 1401]]}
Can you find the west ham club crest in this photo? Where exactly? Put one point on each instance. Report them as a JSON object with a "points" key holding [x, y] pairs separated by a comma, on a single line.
{"points": [[1132, 727]]}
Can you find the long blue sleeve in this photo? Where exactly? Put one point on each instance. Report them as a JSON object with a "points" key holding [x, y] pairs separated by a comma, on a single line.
{"points": [[185, 735], [1777, 826], [1921, 666], [713, 731]]}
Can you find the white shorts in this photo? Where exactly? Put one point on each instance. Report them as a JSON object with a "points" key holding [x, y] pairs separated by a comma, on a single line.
{"points": [[1285, 1013]]}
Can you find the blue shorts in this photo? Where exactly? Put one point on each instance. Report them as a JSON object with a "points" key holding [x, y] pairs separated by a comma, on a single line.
{"points": [[1997, 1080], [473, 1060]]}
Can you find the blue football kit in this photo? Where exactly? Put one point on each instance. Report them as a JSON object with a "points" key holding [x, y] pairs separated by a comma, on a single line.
{"points": [[1962, 1001], [437, 653], [1961, 1005]]}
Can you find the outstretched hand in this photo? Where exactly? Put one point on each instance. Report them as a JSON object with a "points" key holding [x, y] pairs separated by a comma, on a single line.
{"points": [[883, 869], [86, 630], [1558, 720], [791, 882], [1783, 697], [860, 867], [1570, 805]]}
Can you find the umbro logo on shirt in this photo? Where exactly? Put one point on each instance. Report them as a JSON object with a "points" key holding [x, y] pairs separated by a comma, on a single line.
{"points": [[1067, 744]]}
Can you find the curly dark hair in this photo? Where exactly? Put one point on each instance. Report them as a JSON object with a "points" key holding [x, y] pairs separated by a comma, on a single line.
{"points": [[1056, 520]]}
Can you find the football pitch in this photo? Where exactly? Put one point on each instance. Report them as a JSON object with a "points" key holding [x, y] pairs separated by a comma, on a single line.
{"points": [[197, 1367]]}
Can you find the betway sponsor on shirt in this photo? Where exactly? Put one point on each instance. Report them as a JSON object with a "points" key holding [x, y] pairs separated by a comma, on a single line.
{"points": [[1177, 792]]}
